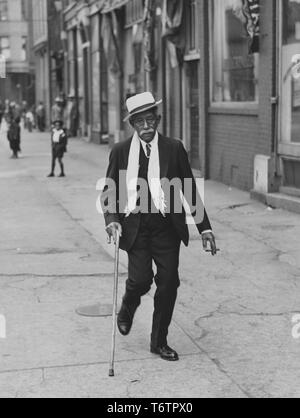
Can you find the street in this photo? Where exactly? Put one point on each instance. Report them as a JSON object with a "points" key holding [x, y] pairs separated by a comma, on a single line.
{"points": [[233, 320]]}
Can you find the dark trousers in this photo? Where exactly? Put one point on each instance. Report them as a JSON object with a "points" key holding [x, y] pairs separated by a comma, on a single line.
{"points": [[53, 163], [41, 123], [156, 241]]}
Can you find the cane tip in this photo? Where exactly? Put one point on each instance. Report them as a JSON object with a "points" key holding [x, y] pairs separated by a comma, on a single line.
{"points": [[111, 373]]}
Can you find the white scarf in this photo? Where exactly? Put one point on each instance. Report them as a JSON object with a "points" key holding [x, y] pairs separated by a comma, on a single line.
{"points": [[154, 182], [56, 135]]}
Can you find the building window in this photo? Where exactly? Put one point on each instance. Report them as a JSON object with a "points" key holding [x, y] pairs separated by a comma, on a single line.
{"points": [[3, 10], [134, 12], [5, 47], [234, 65], [24, 49], [192, 13]]}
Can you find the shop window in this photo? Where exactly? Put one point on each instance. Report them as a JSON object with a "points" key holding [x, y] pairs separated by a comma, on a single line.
{"points": [[134, 12], [5, 47], [235, 56], [291, 173]]}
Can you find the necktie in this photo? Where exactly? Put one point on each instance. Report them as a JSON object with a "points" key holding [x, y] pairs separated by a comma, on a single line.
{"points": [[148, 149]]}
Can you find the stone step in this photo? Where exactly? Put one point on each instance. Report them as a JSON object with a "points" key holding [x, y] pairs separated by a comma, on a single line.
{"points": [[278, 200]]}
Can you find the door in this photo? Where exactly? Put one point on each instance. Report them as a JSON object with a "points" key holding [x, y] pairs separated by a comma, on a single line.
{"points": [[289, 139]]}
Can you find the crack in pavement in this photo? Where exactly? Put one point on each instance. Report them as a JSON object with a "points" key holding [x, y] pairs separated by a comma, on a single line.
{"points": [[57, 276], [219, 311], [130, 384], [81, 365], [216, 362], [263, 241]]}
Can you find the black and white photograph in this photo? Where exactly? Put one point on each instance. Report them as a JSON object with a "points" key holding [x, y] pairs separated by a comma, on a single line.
{"points": [[149, 202]]}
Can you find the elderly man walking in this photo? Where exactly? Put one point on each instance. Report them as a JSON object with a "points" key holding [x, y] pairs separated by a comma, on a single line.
{"points": [[151, 220]]}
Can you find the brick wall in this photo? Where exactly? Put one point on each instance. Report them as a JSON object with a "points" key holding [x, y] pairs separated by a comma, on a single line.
{"points": [[232, 146]]}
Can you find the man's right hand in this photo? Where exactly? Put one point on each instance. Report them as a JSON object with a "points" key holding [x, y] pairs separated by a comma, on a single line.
{"points": [[112, 230]]}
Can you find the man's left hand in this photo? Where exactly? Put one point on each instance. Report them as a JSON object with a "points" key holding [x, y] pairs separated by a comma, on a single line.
{"points": [[208, 237]]}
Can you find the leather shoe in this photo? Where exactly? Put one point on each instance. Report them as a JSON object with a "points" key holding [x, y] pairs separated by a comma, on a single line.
{"points": [[165, 352], [124, 320]]}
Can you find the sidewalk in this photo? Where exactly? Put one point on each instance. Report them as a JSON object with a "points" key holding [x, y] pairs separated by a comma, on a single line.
{"points": [[233, 320]]}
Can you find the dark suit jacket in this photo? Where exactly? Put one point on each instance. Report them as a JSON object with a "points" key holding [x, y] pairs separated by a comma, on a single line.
{"points": [[174, 164]]}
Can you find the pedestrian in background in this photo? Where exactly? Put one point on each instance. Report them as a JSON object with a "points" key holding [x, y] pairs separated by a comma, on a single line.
{"points": [[59, 141], [29, 120], [72, 116], [2, 110], [57, 111], [7, 111], [24, 109], [41, 117], [14, 137]]}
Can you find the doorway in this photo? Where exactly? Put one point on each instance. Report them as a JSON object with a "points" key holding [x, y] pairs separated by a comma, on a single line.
{"points": [[193, 115]]}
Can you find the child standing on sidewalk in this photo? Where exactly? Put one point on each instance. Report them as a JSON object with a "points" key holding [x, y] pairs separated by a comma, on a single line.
{"points": [[59, 143], [14, 137]]}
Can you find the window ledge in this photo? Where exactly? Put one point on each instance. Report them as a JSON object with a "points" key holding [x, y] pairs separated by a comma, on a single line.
{"points": [[192, 56], [249, 109]]}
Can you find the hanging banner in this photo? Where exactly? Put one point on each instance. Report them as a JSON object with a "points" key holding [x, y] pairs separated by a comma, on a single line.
{"points": [[149, 43], [252, 14], [109, 33], [111, 5], [173, 28]]}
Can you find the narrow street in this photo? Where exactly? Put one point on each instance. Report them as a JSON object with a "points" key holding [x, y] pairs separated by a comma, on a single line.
{"points": [[233, 320]]}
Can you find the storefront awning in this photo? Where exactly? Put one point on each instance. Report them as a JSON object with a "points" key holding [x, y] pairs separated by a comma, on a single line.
{"points": [[111, 5]]}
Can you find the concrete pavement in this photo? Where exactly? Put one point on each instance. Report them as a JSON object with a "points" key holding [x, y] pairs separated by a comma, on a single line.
{"points": [[233, 321]]}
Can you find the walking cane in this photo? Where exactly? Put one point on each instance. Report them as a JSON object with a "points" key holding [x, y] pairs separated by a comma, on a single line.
{"points": [[115, 306]]}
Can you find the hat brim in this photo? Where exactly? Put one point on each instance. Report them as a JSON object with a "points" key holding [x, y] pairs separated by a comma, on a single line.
{"points": [[152, 106]]}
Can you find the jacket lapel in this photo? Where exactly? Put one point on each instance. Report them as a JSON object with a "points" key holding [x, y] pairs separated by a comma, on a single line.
{"points": [[126, 153], [164, 156]]}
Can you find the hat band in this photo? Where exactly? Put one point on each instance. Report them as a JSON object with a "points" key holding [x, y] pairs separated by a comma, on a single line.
{"points": [[141, 108]]}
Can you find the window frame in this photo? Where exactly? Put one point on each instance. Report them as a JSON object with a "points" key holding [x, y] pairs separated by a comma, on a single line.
{"points": [[232, 107], [5, 4]]}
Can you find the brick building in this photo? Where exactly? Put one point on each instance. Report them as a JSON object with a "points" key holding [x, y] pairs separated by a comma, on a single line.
{"points": [[223, 68]]}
